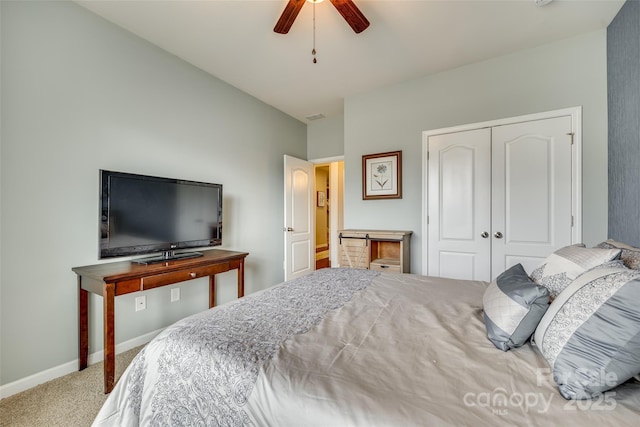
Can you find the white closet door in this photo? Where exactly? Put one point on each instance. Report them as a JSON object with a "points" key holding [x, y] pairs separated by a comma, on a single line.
{"points": [[459, 209], [532, 189]]}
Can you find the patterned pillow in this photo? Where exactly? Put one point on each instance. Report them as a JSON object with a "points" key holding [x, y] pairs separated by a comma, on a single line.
{"points": [[590, 335], [513, 306], [630, 255], [560, 268]]}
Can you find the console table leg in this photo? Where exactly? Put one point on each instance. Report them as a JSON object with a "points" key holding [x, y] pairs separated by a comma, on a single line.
{"points": [[109, 337], [241, 279], [83, 326], [212, 291]]}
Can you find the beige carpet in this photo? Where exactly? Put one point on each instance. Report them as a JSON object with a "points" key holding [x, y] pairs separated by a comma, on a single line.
{"points": [[70, 401]]}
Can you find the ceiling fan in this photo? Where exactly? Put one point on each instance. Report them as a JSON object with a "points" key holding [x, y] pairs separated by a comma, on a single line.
{"points": [[347, 9]]}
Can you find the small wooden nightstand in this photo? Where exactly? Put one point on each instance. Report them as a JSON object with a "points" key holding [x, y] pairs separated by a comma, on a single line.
{"points": [[386, 250]]}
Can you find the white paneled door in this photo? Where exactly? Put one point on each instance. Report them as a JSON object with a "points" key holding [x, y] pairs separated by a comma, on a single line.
{"points": [[460, 205], [498, 196], [531, 192], [299, 219]]}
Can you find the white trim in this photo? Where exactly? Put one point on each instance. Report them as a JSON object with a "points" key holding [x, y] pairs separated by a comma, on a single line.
{"points": [[70, 367], [337, 205], [327, 160], [424, 264], [576, 169], [336, 209], [576, 166], [574, 112]]}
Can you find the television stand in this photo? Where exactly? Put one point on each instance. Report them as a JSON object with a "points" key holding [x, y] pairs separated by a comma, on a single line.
{"points": [[118, 278], [166, 256]]}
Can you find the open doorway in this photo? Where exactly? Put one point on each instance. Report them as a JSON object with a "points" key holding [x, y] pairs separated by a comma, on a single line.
{"points": [[329, 187]]}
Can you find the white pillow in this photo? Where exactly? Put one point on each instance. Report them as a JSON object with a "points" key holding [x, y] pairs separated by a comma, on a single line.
{"points": [[630, 255], [560, 268]]}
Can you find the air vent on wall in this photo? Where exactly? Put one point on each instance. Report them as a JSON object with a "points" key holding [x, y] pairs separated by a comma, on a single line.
{"points": [[315, 116]]}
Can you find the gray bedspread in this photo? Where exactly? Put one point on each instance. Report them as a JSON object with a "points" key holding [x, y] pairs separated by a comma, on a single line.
{"points": [[346, 347]]}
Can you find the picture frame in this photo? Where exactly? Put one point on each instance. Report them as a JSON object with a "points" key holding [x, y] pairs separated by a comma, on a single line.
{"points": [[382, 176]]}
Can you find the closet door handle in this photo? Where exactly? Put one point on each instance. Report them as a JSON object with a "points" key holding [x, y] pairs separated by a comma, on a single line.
{"points": [[498, 235], [484, 235]]}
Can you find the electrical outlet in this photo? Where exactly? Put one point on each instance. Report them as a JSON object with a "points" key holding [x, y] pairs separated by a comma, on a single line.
{"points": [[175, 294], [141, 303]]}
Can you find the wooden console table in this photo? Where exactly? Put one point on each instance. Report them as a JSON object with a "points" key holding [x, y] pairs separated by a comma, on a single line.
{"points": [[119, 278]]}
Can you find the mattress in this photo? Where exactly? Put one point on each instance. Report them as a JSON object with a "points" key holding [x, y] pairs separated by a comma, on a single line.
{"points": [[349, 347]]}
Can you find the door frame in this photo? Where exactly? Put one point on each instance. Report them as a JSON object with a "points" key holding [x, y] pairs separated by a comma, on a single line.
{"points": [[576, 167], [336, 214]]}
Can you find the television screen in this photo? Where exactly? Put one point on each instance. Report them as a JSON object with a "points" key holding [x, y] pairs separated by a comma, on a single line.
{"points": [[143, 214]]}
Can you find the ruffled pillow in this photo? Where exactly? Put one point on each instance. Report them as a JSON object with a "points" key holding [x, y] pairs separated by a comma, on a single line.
{"points": [[590, 335]]}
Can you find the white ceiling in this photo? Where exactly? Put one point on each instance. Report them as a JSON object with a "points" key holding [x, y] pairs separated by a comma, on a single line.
{"points": [[234, 41]]}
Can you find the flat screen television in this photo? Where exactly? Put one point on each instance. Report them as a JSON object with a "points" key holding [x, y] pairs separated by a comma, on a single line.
{"points": [[142, 214]]}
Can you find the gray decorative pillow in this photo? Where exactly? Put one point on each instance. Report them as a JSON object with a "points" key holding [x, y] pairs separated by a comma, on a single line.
{"points": [[513, 306], [560, 268], [630, 255], [590, 335]]}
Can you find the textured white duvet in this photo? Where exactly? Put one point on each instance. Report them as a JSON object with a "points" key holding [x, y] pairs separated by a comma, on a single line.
{"points": [[350, 348]]}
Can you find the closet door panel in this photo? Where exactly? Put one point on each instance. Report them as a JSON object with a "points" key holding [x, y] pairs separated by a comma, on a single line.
{"points": [[527, 182], [528, 263], [531, 191], [457, 172], [459, 211], [458, 265]]}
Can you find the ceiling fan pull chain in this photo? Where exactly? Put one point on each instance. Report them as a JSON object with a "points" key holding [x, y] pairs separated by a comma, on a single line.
{"points": [[313, 51]]}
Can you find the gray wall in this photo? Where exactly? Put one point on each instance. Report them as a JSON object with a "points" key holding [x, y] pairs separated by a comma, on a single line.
{"points": [[325, 138], [563, 74], [623, 64], [80, 94]]}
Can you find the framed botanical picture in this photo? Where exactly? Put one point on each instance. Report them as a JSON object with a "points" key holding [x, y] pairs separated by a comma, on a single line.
{"points": [[382, 176]]}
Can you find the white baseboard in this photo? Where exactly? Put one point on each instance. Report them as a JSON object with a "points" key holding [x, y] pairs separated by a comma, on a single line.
{"points": [[69, 367]]}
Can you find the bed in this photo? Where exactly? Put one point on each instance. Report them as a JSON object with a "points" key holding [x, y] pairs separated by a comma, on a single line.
{"points": [[350, 347]]}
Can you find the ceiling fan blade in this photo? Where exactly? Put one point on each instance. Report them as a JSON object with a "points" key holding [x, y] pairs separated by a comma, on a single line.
{"points": [[289, 14], [351, 14]]}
